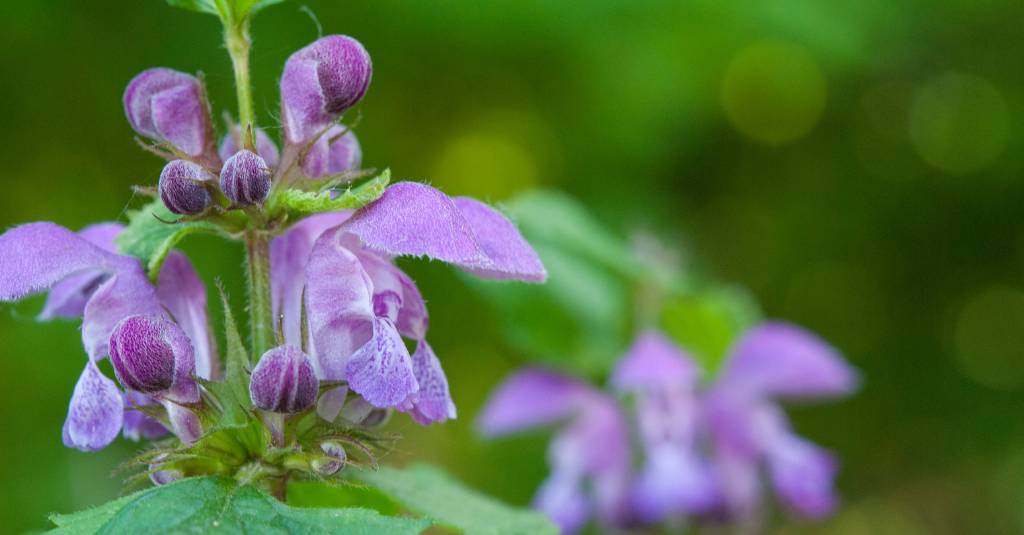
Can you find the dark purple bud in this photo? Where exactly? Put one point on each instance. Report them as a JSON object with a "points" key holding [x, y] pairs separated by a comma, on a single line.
{"points": [[283, 381], [148, 351], [336, 151], [320, 82], [181, 187], [335, 459], [265, 147], [167, 105], [245, 178]]}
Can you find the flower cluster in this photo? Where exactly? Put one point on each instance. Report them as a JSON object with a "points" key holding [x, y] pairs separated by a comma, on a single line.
{"points": [[341, 309], [702, 448]]}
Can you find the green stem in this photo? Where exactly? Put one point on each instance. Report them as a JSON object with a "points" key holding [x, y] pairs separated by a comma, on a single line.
{"points": [[236, 38], [261, 318]]}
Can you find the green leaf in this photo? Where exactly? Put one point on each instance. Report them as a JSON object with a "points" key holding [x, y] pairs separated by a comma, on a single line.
{"points": [[298, 204], [150, 238], [220, 505], [708, 322], [429, 491], [236, 357], [202, 6]]}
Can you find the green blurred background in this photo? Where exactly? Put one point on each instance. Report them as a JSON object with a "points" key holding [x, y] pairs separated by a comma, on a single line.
{"points": [[856, 165]]}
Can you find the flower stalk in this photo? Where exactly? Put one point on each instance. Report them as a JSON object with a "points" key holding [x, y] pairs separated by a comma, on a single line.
{"points": [[236, 39], [261, 318]]}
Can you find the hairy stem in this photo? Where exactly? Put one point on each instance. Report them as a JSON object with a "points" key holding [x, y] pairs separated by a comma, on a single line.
{"points": [[261, 318], [236, 38]]}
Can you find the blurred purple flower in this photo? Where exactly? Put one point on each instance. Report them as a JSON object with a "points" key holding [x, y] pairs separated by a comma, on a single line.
{"points": [[703, 451], [590, 455], [749, 430]]}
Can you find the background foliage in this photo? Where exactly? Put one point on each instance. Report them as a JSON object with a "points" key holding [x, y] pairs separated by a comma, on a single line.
{"points": [[856, 165]]}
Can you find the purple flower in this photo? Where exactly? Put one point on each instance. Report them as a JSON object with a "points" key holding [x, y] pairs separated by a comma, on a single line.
{"points": [[265, 146], [38, 256], [181, 187], [360, 305], [702, 450], [320, 82], [590, 455], [245, 178], [283, 381], [749, 430], [674, 479], [336, 151], [169, 106]]}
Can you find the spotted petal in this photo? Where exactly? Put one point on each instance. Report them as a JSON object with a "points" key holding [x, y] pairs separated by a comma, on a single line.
{"points": [[95, 413], [381, 370], [433, 402]]}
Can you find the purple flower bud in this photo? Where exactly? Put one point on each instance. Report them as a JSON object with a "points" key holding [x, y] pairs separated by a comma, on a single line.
{"points": [[160, 476], [333, 153], [283, 381], [147, 351], [335, 460], [265, 147], [167, 105], [320, 82], [245, 178], [181, 187]]}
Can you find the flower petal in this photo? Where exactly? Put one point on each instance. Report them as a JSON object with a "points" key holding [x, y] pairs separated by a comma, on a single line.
{"points": [[95, 413], [338, 305], [417, 220], [411, 319], [137, 425], [179, 118], [381, 370], [302, 109], [67, 297], [511, 255], [673, 482], [433, 402], [654, 361], [38, 255], [184, 422], [802, 474], [289, 255], [532, 397], [779, 359], [126, 293], [561, 498], [184, 295]]}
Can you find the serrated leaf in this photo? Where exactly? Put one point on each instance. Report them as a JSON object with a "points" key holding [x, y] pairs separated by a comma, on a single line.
{"points": [[149, 238], [218, 505], [298, 204], [236, 357], [429, 491]]}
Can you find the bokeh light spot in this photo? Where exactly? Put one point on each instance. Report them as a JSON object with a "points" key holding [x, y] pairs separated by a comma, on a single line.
{"points": [[959, 123], [987, 337], [774, 92]]}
